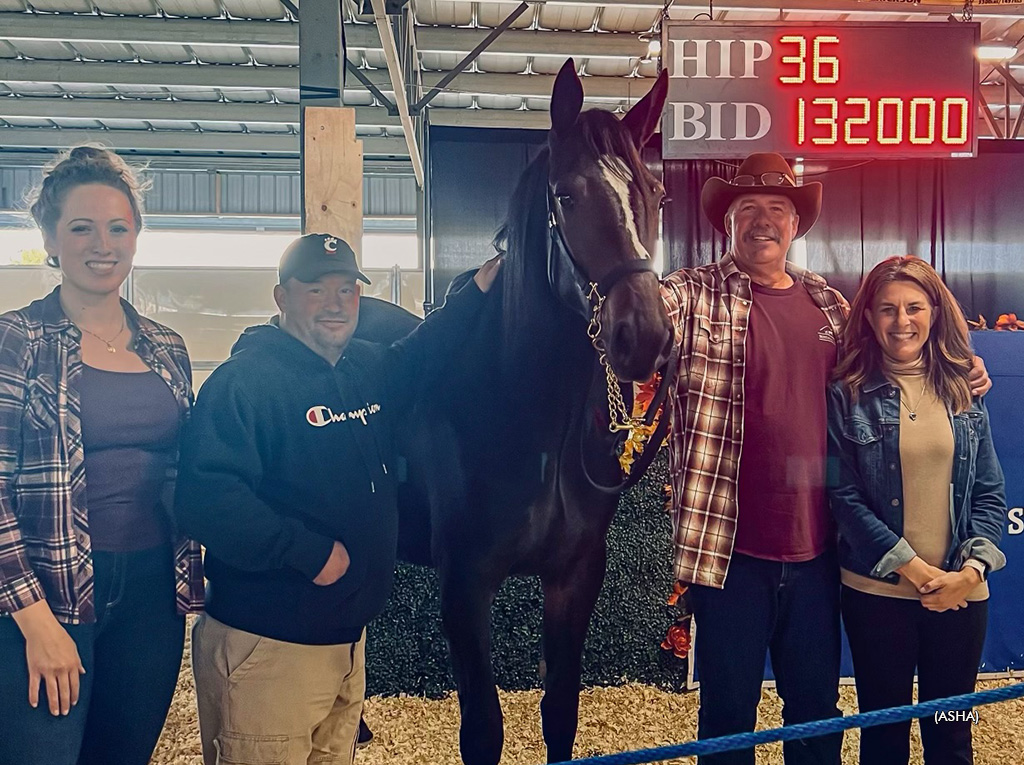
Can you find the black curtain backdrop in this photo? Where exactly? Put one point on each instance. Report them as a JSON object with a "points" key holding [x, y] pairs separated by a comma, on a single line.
{"points": [[473, 174], [689, 239], [966, 217]]}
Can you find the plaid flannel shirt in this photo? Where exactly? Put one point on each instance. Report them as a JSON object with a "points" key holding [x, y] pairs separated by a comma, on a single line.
{"points": [[709, 308], [45, 549]]}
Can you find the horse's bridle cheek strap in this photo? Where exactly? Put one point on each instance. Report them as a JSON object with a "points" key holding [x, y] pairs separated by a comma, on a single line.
{"points": [[613, 277]]}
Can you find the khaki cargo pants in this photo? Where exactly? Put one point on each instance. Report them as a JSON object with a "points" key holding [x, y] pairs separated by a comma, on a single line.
{"points": [[268, 702]]}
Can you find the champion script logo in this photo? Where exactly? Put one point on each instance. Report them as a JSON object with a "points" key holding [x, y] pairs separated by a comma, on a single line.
{"points": [[321, 416]]}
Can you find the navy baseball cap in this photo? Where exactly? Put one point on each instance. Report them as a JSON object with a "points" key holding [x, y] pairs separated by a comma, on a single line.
{"points": [[311, 256]]}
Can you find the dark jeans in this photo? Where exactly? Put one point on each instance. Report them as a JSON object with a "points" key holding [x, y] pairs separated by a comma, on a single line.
{"points": [[889, 639], [791, 610], [131, 654]]}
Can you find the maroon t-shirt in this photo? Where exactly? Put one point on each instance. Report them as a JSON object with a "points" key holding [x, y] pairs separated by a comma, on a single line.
{"points": [[791, 352]]}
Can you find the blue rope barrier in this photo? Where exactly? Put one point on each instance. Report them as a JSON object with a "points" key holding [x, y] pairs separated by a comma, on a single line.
{"points": [[808, 730]]}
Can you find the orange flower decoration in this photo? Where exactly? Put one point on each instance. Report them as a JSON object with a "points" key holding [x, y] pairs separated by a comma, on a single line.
{"points": [[678, 589], [677, 641], [1009, 321]]}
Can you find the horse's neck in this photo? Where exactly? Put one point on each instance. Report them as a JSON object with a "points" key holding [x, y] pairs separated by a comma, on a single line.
{"points": [[549, 372]]}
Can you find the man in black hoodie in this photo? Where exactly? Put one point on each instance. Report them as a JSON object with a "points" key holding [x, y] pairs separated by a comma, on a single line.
{"points": [[287, 476]]}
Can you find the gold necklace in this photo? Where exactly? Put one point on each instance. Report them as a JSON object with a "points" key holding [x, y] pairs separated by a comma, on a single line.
{"points": [[912, 411], [108, 343]]}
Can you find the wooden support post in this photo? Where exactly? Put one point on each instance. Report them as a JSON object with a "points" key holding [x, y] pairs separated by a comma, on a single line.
{"points": [[332, 172]]}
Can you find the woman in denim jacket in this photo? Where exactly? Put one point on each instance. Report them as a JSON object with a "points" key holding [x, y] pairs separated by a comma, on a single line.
{"points": [[94, 578], [918, 494]]}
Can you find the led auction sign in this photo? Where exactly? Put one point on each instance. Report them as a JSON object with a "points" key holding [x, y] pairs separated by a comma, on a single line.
{"points": [[838, 90]]}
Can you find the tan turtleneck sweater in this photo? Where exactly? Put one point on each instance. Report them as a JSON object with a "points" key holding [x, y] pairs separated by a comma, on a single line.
{"points": [[926, 457]]}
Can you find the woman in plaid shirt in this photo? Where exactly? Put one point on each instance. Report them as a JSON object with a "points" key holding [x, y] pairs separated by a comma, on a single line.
{"points": [[94, 579]]}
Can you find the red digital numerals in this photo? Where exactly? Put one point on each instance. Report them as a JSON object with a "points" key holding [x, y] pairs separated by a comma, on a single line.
{"points": [[889, 121], [860, 121]]}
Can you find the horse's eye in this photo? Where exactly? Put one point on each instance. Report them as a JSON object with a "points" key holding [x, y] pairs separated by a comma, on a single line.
{"points": [[565, 201]]}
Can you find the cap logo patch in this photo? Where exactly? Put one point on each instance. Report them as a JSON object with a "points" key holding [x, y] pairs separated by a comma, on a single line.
{"points": [[331, 245]]}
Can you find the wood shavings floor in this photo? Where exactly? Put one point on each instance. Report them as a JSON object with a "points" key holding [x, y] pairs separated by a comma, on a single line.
{"points": [[418, 731]]}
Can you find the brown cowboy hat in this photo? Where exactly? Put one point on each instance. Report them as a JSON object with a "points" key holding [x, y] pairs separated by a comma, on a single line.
{"points": [[766, 173]]}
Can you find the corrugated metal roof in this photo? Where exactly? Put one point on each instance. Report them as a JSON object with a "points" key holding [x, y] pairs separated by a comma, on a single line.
{"points": [[492, 14], [243, 53]]}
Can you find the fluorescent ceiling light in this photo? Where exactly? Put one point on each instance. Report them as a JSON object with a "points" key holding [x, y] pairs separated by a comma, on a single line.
{"points": [[996, 52]]}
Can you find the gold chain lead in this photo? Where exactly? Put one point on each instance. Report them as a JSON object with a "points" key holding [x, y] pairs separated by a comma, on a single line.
{"points": [[619, 417]]}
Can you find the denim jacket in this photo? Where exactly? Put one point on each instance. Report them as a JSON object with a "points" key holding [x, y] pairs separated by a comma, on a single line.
{"points": [[865, 484]]}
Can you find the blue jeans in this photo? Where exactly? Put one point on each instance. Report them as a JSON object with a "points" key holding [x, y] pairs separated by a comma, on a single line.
{"points": [[131, 654], [790, 610], [945, 650]]}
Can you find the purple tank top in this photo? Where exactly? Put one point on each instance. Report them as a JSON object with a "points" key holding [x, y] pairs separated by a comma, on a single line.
{"points": [[130, 424]]}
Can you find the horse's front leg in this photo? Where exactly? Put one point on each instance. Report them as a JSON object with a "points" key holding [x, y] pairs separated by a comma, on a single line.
{"points": [[569, 599], [466, 599]]}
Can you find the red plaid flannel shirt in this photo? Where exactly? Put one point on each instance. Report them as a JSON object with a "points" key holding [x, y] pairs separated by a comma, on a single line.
{"points": [[709, 308]]}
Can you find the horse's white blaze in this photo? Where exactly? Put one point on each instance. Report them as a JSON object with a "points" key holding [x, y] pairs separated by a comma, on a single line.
{"points": [[613, 169]]}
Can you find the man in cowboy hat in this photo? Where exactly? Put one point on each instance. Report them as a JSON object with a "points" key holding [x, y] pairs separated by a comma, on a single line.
{"points": [[753, 537]]}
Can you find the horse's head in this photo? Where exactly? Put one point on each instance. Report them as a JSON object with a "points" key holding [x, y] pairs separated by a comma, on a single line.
{"points": [[606, 204]]}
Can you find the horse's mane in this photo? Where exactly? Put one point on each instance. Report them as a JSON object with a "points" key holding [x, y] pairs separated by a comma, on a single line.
{"points": [[531, 314]]}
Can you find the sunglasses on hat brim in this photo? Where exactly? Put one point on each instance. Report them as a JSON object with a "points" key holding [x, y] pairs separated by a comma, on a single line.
{"points": [[764, 179]]}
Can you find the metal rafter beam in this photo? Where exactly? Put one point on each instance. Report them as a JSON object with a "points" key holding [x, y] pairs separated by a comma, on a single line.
{"points": [[174, 140], [281, 34], [394, 62], [472, 55], [1008, 78], [74, 28], [185, 111], [69, 73], [203, 78], [370, 86], [990, 120], [188, 112], [853, 7], [157, 75]]}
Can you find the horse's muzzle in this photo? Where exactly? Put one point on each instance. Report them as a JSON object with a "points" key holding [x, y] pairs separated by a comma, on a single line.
{"points": [[637, 351]]}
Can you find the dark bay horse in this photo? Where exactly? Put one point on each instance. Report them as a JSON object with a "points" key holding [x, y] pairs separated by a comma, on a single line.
{"points": [[495, 480]]}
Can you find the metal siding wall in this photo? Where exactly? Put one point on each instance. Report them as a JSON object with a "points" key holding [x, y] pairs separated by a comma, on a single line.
{"points": [[389, 195], [15, 184], [177, 192], [194, 192]]}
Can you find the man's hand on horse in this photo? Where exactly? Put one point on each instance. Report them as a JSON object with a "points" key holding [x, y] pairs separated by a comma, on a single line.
{"points": [[488, 273]]}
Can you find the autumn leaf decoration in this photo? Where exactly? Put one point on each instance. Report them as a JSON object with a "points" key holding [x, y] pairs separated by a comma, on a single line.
{"points": [[1006, 321], [637, 441]]}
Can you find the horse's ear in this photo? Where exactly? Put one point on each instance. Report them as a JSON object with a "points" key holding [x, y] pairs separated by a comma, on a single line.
{"points": [[642, 119], [566, 98]]}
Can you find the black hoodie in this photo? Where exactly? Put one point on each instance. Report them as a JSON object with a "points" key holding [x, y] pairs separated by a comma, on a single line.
{"points": [[285, 454]]}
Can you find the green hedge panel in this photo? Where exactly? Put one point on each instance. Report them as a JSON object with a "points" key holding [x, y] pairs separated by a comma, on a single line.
{"points": [[406, 651]]}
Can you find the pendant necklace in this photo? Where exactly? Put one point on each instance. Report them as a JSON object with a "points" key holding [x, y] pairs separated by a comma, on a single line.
{"points": [[109, 343], [912, 411]]}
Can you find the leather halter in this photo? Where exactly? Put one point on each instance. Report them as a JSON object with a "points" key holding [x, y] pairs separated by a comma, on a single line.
{"points": [[586, 298], [567, 281]]}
